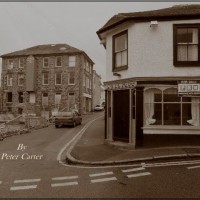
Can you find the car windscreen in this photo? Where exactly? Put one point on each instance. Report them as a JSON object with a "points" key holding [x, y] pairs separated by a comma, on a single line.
{"points": [[65, 114]]}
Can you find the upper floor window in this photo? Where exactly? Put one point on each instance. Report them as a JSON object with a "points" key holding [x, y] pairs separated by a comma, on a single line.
{"points": [[10, 64], [72, 61], [58, 78], [46, 62], [45, 78], [20, 79], [9, 80], [58, 61], [71, 79], [186, 45], [120, 51], [21, 63]]}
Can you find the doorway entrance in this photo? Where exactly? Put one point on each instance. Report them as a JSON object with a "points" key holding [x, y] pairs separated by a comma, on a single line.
{"points": [[121, 109]]}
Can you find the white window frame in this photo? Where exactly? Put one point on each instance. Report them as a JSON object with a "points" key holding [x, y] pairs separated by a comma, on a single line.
{"points": [[9, 80], [44, 62], [69, 75], [58, 94], [43, 78], [56, 61], [45, 97], [21, 66], [22, 77], [60, 78], [73, 62], [9, 65], [32, 97]]}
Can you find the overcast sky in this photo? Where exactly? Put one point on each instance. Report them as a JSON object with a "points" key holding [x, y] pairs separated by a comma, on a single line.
{"points": [[26, 24]]}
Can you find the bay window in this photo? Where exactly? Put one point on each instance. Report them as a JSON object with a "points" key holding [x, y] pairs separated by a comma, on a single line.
{"points": [[165, 107], [120, 51]]}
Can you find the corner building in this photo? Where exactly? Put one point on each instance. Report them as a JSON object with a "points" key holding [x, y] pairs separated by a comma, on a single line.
{"points": [[153, 66]]}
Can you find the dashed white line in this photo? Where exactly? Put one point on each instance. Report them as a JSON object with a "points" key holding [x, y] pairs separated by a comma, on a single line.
{"points": [[64, 184], [133, 170], [193, 167], [27, 180], [104, 180], [64, 178], [138, 175], [101, 174], [27, 187]]}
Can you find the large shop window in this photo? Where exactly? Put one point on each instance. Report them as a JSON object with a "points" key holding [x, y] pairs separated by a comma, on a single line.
{"points": [[120, 51], [186, 45], [165, 107]]}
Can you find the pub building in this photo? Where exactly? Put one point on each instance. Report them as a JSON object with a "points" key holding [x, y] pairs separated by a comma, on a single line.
{"points": [[153, 74]]}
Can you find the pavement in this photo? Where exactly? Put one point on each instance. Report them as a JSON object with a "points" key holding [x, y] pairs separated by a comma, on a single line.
{"points": [[89, 149]]}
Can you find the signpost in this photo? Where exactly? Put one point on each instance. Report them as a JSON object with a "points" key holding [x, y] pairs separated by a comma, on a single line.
{"points": [[189, 88]]}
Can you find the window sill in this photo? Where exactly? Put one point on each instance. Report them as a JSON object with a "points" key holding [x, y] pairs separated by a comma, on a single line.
{"points": [[170, 129], [186, 64], [120, 68]]}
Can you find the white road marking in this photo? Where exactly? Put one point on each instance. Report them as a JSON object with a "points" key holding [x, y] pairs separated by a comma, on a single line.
{"points": [[134, 169], [64, 178], [0, 182], [27, 187], [193, 167], [101, 174], [74, 139], [138, 175], [104, 180], [64, 184], [27, 180]]}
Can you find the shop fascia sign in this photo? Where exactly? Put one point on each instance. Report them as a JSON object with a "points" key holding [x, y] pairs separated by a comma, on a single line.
{"points": [[120, 86], [189, 88]]}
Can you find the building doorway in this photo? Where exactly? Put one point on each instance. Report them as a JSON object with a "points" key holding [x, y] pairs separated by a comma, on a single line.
{"points": [[121, 110]]}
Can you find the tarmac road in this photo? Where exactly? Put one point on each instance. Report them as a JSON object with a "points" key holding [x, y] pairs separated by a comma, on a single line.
{"points": [[36, 178]]}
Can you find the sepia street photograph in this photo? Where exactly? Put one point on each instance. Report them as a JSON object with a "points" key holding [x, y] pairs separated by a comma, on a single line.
{"points": [[99, 100]]}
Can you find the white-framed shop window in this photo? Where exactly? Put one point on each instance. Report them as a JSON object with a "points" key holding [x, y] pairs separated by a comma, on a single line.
{"points": [[164, 107]]}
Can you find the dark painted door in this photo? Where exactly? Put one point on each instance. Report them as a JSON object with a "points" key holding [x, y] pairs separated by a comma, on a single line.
{"points": [[121, 115]]}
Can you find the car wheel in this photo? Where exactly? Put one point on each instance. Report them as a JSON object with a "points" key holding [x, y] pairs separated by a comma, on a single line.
{"points": [[56, 126]]}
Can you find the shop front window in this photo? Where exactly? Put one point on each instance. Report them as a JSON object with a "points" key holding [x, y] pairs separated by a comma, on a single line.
{"points": [[165, 107]]}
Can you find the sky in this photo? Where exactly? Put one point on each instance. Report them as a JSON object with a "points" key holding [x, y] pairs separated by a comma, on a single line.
{"points": [[26, 24]]}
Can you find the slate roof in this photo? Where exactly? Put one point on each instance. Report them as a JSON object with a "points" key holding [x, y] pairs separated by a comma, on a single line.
{"points": [[178, 11], [46, 49]]}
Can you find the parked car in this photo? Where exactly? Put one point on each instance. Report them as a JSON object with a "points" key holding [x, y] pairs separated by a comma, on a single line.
{"points": [[68, 118], [98, 108]]}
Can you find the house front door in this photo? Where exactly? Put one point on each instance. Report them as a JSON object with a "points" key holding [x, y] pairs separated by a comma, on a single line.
{"points": [[121, 109]]}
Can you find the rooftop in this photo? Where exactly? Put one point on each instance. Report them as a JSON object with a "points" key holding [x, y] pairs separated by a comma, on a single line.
{"points": [[46, 49], [177, 11]]}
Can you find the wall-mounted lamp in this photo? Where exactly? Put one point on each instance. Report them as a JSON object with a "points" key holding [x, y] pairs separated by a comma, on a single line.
{"points": [[154, 24], [116, 74]]}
